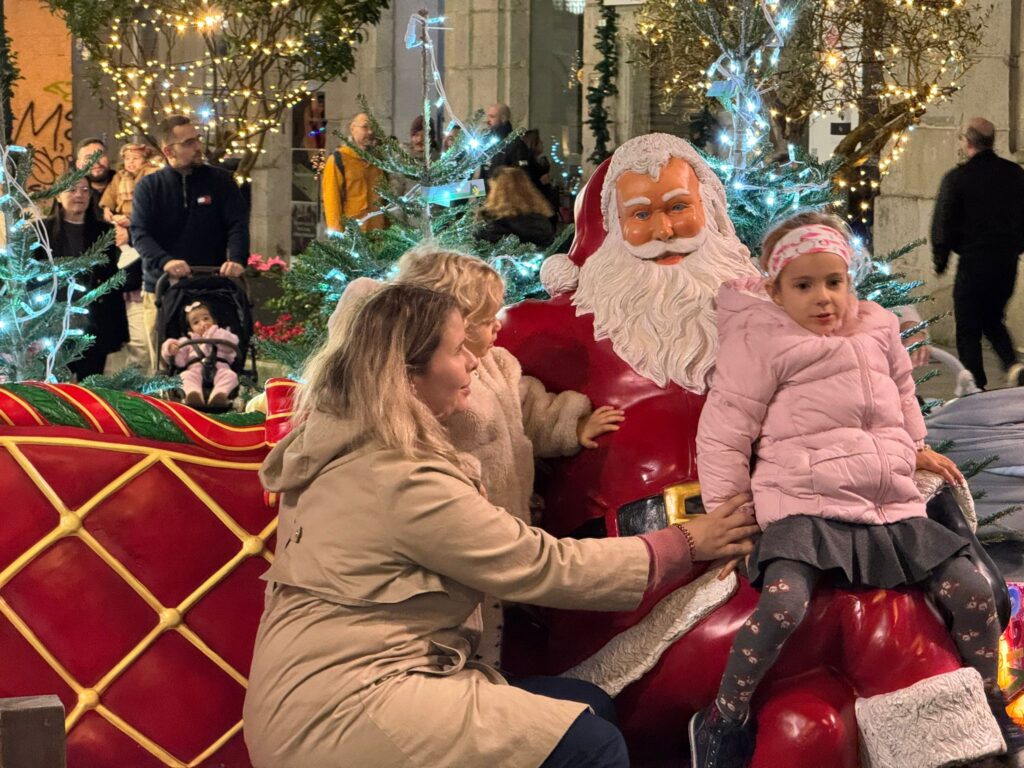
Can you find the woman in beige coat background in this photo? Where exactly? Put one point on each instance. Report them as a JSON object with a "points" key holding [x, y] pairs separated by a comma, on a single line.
{"points": [[385, 546]]}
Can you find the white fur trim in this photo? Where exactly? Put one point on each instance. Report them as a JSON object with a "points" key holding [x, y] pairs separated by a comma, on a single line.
{"points": [[558, 274], [630, 655], [940, 720], [929, 484]]}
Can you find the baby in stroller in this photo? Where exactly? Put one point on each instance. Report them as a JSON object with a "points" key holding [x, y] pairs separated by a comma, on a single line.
{"points": [[189, 358]]}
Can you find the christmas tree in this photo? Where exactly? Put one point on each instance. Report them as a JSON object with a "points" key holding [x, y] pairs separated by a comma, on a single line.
{"points": [[440, 205], [41, 298]]}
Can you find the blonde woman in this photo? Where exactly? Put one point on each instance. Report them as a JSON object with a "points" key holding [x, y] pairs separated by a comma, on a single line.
{"points": [[385, 548], [510, 418], [515, 206]]}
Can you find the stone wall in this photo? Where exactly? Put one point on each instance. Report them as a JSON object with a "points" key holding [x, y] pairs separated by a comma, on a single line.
{"points": [[487, 56], [903, 211]]}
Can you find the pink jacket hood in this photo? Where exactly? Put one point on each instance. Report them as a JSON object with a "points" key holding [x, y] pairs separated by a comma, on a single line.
{"points": [[833, 420]]}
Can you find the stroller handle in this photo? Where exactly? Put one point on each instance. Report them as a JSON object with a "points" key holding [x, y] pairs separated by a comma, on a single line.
{"points": [[164, 281], [216, 342]]}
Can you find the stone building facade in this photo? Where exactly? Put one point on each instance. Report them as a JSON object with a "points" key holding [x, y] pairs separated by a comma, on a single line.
{"points": [[522, 52]]}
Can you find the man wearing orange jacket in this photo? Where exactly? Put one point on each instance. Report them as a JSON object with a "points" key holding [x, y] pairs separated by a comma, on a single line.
{"points": [[349, 183]]}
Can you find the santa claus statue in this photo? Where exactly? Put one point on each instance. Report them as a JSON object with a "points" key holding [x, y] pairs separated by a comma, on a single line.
{"points": [[631, 323]]}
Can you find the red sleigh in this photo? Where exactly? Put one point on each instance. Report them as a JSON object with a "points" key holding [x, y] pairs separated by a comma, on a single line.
{"points": [[129, 587], [129, 571]]}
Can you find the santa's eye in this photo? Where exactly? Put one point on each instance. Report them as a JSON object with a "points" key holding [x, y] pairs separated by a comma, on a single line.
{"points": [[642, 215], [678, 207]]}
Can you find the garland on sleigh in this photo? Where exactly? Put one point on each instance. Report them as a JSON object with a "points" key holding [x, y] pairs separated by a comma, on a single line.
{"points": [[125, 414]]}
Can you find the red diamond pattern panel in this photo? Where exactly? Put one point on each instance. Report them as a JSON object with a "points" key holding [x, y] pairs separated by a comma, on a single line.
{"points": [[129, 586]]}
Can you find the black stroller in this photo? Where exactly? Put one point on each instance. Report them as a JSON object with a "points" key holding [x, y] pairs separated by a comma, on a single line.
{"points": [[231, 307]]}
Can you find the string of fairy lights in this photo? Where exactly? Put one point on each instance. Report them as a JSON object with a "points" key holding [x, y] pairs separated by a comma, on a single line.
{"points": [[191, 72], [31, 284], [923, 47]]}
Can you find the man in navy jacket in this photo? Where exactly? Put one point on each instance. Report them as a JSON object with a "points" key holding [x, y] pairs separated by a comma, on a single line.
{"points": [[187, 214]]}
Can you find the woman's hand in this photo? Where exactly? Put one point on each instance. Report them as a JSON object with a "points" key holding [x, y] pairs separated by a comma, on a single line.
{"points": [[726, 532], [605, 419], [940, 465]]}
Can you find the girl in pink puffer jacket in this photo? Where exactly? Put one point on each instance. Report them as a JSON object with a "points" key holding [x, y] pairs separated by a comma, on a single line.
{"points": [[817, 385]]}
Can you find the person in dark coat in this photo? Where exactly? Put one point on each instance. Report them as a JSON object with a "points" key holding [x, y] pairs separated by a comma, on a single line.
{"points": [[515, 154], [979, 214], [516, 207], [99, 174], [72, 228]]}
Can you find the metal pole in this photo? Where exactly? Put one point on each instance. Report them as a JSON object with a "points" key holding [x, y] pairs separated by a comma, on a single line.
{"points": [[425, 63]]}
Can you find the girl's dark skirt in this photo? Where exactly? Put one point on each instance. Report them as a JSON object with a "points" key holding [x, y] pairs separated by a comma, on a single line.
{"points": [[883, 556]]}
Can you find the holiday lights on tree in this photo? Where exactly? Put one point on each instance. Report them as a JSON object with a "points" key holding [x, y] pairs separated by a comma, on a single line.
{"points": [[440, 206], [234, 66], [887, 61], [40, 296]]}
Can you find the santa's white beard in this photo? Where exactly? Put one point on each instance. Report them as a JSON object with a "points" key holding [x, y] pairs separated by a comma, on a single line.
{"points": [[661, 318]]}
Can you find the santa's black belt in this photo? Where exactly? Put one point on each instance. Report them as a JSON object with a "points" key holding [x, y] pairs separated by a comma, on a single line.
{"points": [[673, 505]]}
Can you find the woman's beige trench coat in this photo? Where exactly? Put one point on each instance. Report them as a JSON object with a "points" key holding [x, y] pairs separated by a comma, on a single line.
{"points": [[361, 656]]}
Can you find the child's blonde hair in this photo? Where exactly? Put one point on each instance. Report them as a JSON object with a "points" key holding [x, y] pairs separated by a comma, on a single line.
{"points": [[478, 289], [802, 219]]}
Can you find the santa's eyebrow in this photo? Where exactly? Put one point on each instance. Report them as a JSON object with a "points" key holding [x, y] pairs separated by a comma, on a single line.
{"points": [[674, 193], [637, 201]]}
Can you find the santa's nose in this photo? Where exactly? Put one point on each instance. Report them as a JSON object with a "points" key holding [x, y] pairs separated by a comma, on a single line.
{"points": [[662, 227]]}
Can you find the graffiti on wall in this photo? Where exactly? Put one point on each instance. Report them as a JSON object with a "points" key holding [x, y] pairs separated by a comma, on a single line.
{"points": [[45, 125], [41, 106]]}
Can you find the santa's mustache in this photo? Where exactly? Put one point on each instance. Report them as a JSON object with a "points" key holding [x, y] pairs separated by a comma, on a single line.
{"points": [[657, 248]]}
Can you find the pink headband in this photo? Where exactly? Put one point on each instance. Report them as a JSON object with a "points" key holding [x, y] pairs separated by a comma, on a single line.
{"points": [[813, 238]]}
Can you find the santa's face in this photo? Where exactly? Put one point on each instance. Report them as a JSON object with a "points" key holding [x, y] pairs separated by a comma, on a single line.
{"points": [[651, 284], [660, 219]]}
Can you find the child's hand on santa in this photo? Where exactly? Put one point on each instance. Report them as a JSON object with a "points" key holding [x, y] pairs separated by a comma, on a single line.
{"points": [[940, 465], [604, 419]]}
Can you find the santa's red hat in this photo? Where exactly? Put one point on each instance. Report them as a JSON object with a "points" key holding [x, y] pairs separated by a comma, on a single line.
{"points": [[560, 272]]}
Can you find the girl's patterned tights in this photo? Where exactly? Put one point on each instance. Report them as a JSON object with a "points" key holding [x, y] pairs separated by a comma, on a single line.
{"points": [[960, 591]]}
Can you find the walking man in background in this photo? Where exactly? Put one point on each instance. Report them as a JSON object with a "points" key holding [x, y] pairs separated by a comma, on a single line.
{"points": [[979, 214]]}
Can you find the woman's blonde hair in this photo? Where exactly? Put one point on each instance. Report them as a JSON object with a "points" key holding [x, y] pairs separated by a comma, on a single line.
{"points": [[477, 288], [364, 375], [802, 219], [511, 193]]}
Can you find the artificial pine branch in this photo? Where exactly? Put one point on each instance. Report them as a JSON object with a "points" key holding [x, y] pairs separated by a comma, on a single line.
{"points": [[132, 379]]}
